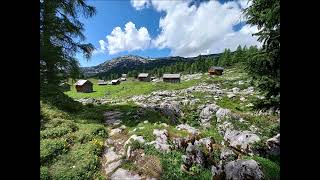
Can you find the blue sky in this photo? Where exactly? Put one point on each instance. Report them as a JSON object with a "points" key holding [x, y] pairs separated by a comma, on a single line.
{"points": [[193, 34]]}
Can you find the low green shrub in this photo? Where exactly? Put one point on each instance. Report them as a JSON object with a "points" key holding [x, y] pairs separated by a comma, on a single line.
{"points": [[44, 173], [271, 169], [50, 148], [82, 162], [89, 132], [55, 132]]}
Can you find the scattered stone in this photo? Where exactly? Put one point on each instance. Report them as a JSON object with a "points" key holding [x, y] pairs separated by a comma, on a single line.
{"points": [[227, 154], [129, 151], [239, 82], [123, 127], [231, 95], [224, 126], [249, 105], [235, 90], [222, 113], [216, 172], [115, 131], [135, 138], [206, 114], [112, 166], [242, 99], [243, 169], [273, 145], [161, 140], [179, 143], [122, 174], [112, 118], [253, 128], [206, 142], [171, 109], [110, 155], [189, 77], [188, 128], [145, 122], [241, 140]]}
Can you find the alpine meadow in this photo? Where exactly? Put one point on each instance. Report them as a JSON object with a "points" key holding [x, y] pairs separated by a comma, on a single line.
{"points": [[153, 89]]}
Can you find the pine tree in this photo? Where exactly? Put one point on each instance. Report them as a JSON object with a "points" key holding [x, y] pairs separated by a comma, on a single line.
{"points": [[60, 37], [264, 67]]}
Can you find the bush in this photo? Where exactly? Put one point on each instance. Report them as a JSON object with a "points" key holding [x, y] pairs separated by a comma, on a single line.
{"points": [[90, 132], [55, 132], [271, 170], [44, 173], [50, 148], [192, 119], [82, 162], [64, 128]]}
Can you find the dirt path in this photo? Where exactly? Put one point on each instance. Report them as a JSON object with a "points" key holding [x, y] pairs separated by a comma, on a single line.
{"points": [[114, 152]]}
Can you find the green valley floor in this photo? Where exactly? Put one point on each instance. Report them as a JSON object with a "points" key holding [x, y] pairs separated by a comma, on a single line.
{"points": [[202, 128]]}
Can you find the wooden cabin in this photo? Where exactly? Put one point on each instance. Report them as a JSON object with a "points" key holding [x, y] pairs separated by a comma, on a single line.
{"points": [[144, 77], [172, 78], [101, 82], [215, 70], [115, 82], [84, 86]]}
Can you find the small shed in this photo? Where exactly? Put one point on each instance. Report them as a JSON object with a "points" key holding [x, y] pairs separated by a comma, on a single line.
{"points": [[84, 86], [124, 75], [172, 78], [215, 70], [144, 77], [123, 79], [101, 82], [115, 82]]}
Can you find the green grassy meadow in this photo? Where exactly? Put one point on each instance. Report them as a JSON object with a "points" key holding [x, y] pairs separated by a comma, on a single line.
{"points": [[128, 88]]}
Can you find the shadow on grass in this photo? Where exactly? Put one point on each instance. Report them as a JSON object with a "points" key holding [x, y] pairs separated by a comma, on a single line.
{"points": [[132, 114]]}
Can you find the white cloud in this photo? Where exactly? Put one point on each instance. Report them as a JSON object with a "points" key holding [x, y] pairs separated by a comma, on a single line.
{"points": [[190, 31], [140, 4], [129, 39]]}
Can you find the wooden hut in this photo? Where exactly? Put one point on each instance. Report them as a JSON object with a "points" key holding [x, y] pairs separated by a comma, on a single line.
{"points": [[101, 82], [172, 78], [215, 70], [84, 86], [144, 77]]}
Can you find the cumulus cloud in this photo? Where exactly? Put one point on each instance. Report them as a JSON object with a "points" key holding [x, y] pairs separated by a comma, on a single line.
{"points": [[208, 28], [129, 39], [140, 4]]}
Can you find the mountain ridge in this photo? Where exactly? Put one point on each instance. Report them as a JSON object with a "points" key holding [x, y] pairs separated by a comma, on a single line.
{"points": [[122, 64]]}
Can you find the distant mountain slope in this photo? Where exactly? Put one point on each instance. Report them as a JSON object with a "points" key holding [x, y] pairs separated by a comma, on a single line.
{"points": [[124, 64]]}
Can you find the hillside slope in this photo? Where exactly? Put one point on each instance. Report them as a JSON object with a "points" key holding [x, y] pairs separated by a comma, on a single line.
{"points": [[202, 128]]}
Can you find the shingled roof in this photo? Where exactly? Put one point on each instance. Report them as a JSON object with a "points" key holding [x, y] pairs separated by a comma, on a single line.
{"points": [[171, 76], [81, 82], [143, 75], [217, 68]]}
